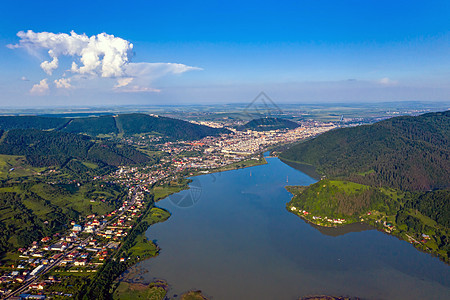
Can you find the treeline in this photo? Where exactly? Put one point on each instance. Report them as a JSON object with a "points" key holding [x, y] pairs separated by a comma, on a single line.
{"points": [[127, 124], [51, 148], [407, 153], [35, 122]]}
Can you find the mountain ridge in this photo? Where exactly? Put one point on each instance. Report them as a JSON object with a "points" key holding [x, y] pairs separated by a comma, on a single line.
{"points": [[407, 153], [127, 124]]}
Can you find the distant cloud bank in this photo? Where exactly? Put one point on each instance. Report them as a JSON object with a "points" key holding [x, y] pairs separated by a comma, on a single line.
{"points": [[99, 56]]}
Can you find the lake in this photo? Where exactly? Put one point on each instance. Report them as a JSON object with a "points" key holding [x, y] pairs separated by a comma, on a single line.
{"points": [[231, 237]]}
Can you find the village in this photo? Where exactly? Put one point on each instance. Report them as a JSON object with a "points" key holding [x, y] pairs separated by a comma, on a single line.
{"points": [[83, 249]]}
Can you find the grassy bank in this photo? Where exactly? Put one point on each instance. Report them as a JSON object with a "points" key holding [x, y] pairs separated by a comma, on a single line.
{"points": [[162, 191], [154, 291]]}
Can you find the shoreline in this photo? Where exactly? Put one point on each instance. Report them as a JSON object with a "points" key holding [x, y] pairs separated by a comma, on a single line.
{"points": [[376, 226]]}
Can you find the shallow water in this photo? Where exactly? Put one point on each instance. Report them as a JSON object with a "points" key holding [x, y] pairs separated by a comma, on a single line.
{"points": [[231, 237]]}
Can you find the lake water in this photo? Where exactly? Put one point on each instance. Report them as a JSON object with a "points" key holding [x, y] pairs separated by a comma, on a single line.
{"points": [[231, 237]]}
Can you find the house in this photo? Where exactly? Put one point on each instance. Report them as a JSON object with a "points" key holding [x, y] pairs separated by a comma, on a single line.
{"points": [[45, 239], [77, 228], [41, 285], [80, 262], [58, 247]]}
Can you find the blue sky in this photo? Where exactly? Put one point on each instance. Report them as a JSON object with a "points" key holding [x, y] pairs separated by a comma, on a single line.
{"points": [[227, 51]]}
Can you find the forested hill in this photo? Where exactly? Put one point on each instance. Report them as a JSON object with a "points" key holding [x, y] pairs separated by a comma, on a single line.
{"points": [[35, 122], [407, 153], [178, 129], [53, 148], [266, 124], [127, 124]]}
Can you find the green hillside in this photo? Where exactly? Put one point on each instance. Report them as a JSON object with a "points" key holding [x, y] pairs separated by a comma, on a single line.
{"points": [[266, 124], [127, 124], [31, 209], [52, 148], [46, 181], [408, 153]]}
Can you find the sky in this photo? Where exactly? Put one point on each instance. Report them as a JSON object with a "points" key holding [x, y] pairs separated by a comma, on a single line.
{"points": [[78, 53]]}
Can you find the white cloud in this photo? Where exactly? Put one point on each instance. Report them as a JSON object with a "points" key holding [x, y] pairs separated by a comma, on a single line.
{"points": [[155, 70], [138, 89], [23, 78], [102, 55], [50, 66], [387, 81], [121, 82], [41, 88], [63, 83], [145, 73]]}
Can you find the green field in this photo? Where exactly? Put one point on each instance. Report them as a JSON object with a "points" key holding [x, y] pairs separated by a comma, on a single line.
{"points": [[12, 166], [162, 191], [129, 291]]}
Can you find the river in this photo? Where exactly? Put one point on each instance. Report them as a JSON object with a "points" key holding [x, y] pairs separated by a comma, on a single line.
{"points": [[231, 237]]}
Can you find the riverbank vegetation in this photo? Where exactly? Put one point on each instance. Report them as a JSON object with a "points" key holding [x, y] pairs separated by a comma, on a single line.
{"points": [[156, 290], [128, 291]]}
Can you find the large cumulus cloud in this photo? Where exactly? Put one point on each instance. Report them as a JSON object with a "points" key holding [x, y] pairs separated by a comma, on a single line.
{"points": [[102, 55]]}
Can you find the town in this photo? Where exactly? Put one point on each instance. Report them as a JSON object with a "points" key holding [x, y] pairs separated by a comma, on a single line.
{"points": [[47, 267]]}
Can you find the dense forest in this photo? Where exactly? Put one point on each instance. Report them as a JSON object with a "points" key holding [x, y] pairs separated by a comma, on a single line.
{"points": [[408, 153], [266, 124], [126, 124], [92, 125], [35, 122], [53, 148]]}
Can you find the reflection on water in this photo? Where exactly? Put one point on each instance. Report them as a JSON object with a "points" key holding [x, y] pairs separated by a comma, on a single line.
{"points": [[304, 168], [341, 230], [239, 242]]}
